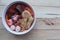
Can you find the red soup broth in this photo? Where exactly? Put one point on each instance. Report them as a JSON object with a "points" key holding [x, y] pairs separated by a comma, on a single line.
{"points": [[12, 10]]}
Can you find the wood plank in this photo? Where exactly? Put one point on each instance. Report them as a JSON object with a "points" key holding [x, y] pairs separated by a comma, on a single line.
{"points": [[40, 24], [0, 2], [1, 10], [41, 12], [32, 35], [36, 2]]}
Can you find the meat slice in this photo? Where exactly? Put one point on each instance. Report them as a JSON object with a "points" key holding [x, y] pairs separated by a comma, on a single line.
{"points": [[15, 17], [10, 22], [20, 8], [11, 12]]}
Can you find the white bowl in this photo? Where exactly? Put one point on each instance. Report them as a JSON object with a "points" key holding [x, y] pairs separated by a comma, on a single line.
{"points": [[7, 27]]}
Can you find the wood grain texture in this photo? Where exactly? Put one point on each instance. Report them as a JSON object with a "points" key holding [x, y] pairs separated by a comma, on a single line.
{"points": [[40, 24], [1, 10], [0, 2], [36, 2], [41, 30], [32, 35], [41, 7], [41, 12]]}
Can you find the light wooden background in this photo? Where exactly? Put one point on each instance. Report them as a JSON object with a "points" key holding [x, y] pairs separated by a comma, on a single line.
{"points": [[41, 31]]}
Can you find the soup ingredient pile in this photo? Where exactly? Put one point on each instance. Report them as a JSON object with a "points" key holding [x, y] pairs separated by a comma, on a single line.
{"points": [[19, 19]]}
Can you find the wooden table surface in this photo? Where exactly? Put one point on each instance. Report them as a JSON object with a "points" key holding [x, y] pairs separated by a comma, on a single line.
{"points": [[47, 26]]}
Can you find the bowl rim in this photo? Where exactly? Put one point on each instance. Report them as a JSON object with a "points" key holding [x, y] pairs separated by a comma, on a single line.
{"points": [[6, 26]]}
